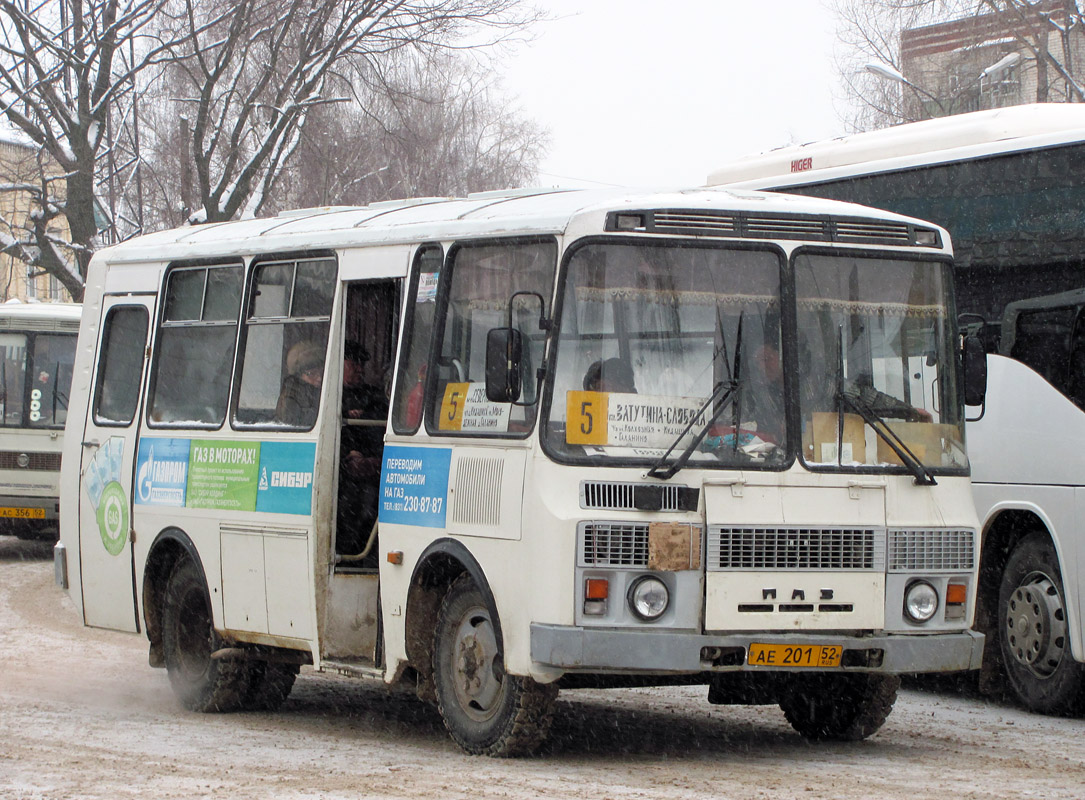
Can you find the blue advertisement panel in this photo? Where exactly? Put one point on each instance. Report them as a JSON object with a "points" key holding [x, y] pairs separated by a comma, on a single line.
{"points": [[414, 485], [285, 484], [162, 472]]}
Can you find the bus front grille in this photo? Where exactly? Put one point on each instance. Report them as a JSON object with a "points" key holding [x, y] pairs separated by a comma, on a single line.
{"points": [[931, 550], [40, 462], [777, 549], [613, 544]]}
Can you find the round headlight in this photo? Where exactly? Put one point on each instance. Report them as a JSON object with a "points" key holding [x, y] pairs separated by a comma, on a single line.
{"points": [[23, 460], [648, 597], [920, 601]]}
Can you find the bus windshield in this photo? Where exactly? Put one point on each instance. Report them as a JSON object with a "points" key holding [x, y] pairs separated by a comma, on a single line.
{"points": [[876, 355], [656, 349], [37, 376]]}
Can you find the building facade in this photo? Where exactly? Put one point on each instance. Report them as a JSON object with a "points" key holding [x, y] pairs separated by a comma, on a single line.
{"points": [[948, 65], [20, 166]]}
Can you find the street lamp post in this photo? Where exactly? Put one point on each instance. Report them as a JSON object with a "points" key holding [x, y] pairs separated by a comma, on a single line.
{"points": [[889, 73]]}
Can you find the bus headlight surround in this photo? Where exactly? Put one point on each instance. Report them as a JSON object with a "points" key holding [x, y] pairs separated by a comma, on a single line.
{"points": [[648, 598], [920, 601]]}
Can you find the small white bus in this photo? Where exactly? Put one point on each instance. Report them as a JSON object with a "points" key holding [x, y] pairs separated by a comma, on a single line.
{"points": [[1009, 185], [37, 351], [499, 445]]}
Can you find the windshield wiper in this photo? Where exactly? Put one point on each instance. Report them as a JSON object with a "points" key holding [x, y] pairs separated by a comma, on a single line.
{"points": [[724, 393], [851, 396]]}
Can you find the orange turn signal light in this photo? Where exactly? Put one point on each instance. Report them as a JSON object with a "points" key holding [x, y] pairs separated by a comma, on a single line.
{"points": [[596, 589], [956, 594], [395, 556]]}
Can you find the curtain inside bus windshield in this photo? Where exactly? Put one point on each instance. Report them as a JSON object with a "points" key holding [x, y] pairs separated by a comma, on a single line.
{"points": [[659, 344], [876, 343], [51, 379], [12, 377]]}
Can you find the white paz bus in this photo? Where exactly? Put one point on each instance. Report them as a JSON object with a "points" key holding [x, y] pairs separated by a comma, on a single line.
{"points": [[500, 445], [37, 351], [1009, 185]]}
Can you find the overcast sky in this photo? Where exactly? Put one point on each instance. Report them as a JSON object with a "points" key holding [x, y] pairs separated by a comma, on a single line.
{"points": [[651, 93]]}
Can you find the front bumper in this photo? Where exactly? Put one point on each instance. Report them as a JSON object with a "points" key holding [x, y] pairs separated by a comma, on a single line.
{"points": [[578, 649], [29, 508]]}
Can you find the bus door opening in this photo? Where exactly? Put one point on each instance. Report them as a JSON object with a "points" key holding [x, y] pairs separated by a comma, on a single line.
{"points": [[370, 332]]}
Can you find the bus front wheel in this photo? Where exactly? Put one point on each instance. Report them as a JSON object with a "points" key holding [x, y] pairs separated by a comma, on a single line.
{"points": [[1033, 631], [200, 682], [831, 706], [486, 710]]}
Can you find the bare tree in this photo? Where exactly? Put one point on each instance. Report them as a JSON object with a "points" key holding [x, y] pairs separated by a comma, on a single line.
{"points": [[428, 126], [871, 31], [67, 69], [256, 71]]}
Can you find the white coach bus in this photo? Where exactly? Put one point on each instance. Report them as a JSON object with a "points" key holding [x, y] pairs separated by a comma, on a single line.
{"points": [[610, 436], [1009, 185], [37, 350]]}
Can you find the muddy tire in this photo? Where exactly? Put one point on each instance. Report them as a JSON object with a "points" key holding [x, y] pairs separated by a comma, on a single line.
{"points": [[269, 685], [837, 707], [1032, 630], [486, 711], [189, 638]]}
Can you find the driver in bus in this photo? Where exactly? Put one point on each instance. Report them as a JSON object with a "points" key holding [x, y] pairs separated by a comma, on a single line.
{"points": [[610, 375]]}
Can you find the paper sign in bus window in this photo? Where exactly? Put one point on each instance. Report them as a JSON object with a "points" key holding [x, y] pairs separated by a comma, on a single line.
{"points": [[630, 420], [465, 408]]}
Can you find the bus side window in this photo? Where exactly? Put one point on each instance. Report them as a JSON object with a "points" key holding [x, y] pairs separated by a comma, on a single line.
{"points": [[199, 317], [477, 292], [120, 366], [408, 398], [285, 338]]}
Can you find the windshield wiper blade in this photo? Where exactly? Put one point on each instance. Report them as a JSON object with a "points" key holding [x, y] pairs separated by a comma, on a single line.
{"points": [[724, 393], [923, 476]]}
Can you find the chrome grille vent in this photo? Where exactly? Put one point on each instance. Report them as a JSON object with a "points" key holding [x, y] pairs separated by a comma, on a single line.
{"points": [[694, 221], [858, 231], [477, 496], [794, 548], [617, 496], [817, 228], [613, 544], [919, 550], [786, 227]]}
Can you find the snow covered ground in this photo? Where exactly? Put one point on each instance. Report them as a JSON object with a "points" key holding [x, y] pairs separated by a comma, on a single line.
{"points": [[83, 716]]}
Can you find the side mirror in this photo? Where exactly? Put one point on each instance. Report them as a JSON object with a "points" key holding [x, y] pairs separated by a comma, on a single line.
{"points": [[974, 358], [504, 351]]}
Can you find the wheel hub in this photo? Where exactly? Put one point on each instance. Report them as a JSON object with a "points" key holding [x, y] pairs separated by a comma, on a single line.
{"points": [[478, 683], [1036, 624]]}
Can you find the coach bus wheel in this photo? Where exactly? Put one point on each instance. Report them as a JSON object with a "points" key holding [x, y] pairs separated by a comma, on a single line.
{"points": [[269, 686], [188, 639], [485, 710], [1033, 633], [832, 706]]}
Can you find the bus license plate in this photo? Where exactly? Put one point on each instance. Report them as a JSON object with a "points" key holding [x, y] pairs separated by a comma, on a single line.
{"points": [[794, 655], [22, 513]]}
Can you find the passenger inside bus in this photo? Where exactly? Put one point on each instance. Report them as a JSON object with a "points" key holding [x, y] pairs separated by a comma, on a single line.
{"points": [[300, 395], [360, 452]]}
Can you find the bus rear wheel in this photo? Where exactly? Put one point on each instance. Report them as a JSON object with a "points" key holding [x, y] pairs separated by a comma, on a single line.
{"points": [[837, 707], [269, 685], [200, 682], [486, 710], [1033, 633]]}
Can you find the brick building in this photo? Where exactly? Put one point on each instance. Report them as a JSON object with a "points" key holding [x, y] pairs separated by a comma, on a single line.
{"points": [[945, 62], [19, 164]]}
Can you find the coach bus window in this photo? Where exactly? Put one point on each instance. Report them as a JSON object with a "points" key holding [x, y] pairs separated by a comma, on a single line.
{"points": [[482, 281], [285, 340], [120, 366], [200, 318], [51, 379], [1042, 341], [417, 337]]}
